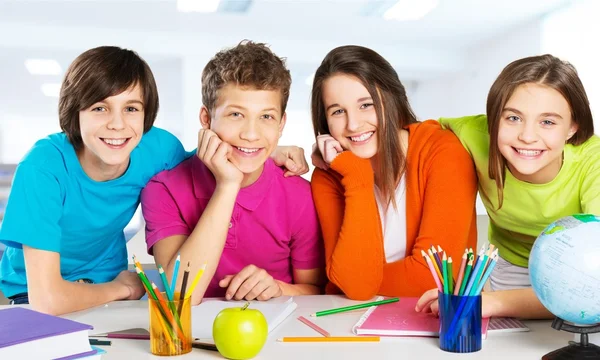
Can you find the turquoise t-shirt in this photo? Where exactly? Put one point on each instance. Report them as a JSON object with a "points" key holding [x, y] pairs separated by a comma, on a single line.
{"points": [[53, 205], [528, 208]]}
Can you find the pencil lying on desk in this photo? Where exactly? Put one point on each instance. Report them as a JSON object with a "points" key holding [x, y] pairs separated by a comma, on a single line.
{"points": [[331, 339], [354, 307]]}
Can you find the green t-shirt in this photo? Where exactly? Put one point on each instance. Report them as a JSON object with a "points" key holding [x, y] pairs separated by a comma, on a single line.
{"points": [[528, 208]]}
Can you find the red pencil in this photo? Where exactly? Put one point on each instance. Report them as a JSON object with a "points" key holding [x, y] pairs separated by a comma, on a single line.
{"points": [[461, 272]]}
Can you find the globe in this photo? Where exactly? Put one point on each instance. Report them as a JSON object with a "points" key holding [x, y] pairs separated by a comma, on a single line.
{"points": [[564, 268]]}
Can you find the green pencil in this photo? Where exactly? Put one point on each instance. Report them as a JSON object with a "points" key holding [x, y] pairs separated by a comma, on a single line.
{"points": [[445, 274], [146, 283], [354, 307], [465, 280], [450, 277]]}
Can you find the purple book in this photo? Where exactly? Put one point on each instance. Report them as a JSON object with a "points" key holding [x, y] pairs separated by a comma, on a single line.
{"points": [[31, 333]]}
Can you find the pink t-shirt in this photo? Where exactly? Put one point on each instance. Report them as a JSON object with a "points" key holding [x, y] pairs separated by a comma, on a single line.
{"points": [[274, 224]]}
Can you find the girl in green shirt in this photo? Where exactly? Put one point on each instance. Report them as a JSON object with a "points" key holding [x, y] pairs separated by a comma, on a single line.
{"points": [[537, 160]]}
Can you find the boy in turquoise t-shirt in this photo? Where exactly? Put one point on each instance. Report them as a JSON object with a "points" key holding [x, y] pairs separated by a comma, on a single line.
{"points": [[74, 192]]}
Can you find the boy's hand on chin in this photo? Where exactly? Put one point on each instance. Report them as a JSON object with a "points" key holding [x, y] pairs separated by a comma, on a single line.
{"points": [[216, 155], [251, 283]]}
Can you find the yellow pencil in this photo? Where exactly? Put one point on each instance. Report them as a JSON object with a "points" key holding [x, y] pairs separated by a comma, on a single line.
{"points": [[195, 282], [330, 339], [137, 263], [435, 265]]}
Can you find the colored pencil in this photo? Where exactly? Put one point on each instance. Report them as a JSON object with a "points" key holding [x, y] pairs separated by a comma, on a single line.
{"points": [[314, 326], [437, 269], [331, 339], [97, 342], [186, 274], [163, 277], [195, 282], [487, 274], [175, 274], [137, 263], [354, 307], [450, 277], [494, 253], [466, 277], [433, 272], [146, 283], [438, 260], [479, 256], [461, 272], [445, 272], [471, 286]]}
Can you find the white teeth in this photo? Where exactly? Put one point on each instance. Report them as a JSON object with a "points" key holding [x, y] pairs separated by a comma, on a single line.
{"points": [[246, 150], [362, 137], [115, 142], [529, 152]]}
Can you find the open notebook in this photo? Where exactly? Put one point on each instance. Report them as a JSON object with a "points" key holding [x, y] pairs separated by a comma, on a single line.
{"points": [[401, 319], [203, 315]]}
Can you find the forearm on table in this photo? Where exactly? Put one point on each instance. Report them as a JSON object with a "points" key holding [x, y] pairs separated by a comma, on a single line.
{"points": [[66, 297], [519, 303], [298, 289], [205, 243]]}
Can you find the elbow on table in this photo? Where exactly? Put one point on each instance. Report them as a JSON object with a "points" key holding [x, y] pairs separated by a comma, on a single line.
{"points": [[358, 291], [47, 304]]}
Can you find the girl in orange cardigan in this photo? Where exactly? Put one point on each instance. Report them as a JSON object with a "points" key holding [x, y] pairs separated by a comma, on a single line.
{"points": [[393, 186]]}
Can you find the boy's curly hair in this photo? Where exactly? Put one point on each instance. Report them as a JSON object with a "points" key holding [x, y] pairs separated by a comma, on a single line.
{"points": [[248, 64]]}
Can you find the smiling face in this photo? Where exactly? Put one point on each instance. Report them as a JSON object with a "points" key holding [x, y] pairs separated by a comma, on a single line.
{"points": [[351, 115], [534, 127], [110, 130], [251, 121]]}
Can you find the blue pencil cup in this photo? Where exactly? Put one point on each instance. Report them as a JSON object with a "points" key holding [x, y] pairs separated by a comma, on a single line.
{"points": [[460, 323]]}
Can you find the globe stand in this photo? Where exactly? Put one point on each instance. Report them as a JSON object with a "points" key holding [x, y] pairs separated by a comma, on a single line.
{"points": [[582, 350]]}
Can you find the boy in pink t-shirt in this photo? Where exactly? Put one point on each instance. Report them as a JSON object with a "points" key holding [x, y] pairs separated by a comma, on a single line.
{"points": [[230, 206]]}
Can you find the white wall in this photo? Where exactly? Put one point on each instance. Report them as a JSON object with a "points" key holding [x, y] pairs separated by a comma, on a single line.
{"points": [[572, 35], [466, 93]]}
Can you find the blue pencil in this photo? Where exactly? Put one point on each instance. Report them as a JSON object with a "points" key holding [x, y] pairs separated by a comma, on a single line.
{"points": [[475, 274], [163, 277], [175, 272], [487, 274]]}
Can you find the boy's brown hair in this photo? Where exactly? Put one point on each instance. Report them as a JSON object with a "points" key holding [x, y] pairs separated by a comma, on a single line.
{"points": [[545, 70], [97, 74], [248, 64]]}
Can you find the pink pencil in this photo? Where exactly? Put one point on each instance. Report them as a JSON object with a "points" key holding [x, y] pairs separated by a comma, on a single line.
{"points": [[433, 272], [461, 273], [314, 326]]}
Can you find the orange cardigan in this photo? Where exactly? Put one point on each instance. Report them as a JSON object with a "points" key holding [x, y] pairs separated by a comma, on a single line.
{"points": [[441, 186]]}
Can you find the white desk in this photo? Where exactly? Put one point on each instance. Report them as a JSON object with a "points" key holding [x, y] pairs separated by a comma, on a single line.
{"points": [[129, 314]]}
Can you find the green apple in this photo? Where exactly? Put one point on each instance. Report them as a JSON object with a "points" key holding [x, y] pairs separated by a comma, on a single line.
{"points": [[240, 333]]}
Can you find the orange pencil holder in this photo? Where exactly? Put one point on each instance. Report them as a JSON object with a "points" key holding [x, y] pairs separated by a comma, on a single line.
{"points": [[170, 325]]}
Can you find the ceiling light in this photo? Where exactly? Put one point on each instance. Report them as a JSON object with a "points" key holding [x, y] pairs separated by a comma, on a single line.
{"points": [[198, 5], [405, 10], [51, 90], [43, 67]]}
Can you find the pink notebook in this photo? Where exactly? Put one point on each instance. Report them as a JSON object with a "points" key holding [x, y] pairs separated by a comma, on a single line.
{"points": [[401, 319]]}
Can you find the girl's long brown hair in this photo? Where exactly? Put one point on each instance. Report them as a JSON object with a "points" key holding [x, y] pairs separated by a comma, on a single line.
{"points": [[545, 70], [391, 106]]}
